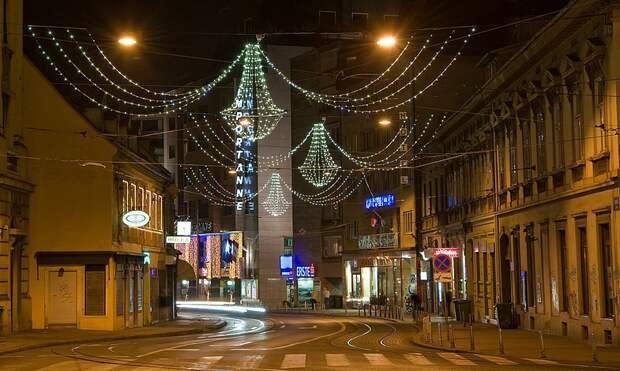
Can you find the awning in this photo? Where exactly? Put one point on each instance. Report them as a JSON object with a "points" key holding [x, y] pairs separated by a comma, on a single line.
{"points": [[185, 271]]}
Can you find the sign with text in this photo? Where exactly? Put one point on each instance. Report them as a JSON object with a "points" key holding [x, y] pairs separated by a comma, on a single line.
{"points": [[178, 239], [378, 241], [305, 271], [286, 265], [453, 252], [379, 201]]}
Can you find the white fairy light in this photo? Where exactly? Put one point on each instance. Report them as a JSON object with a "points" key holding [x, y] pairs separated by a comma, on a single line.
{"points": [[275, 203], [319, 167]]}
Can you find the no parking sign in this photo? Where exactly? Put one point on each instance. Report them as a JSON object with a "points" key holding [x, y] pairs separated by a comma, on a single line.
{"points": [[443, 268]]}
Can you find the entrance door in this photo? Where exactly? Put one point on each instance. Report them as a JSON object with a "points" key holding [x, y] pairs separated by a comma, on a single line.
{"points": [[504, 249], [62, 298]]}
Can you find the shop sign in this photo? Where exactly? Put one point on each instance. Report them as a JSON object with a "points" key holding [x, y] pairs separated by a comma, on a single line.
{"points": [[305, 271], [286, 265], [178, 239], [184, 228], [453, 252], [379, 201], [136, 218], [378, 241]]}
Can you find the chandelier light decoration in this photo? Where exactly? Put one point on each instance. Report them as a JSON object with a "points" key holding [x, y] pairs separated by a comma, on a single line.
{"points": [[275, 203], [253, 105], [319, 167]]}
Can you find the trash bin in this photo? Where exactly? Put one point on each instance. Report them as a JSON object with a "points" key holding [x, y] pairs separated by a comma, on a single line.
{"points": [[505, 314], [462, 307]]}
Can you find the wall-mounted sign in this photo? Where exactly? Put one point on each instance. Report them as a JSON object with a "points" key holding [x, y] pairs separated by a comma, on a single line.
{"points": [[153, 272], [305, 271], [244, 166], [453, 252], [184, 228], [378, 241], [147, 257], [178, 239], [286, 265], [379, 201], [136, 218]]}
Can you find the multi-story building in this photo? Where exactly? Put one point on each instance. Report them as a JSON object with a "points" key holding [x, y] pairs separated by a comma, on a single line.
{"points": [[532, 194]]}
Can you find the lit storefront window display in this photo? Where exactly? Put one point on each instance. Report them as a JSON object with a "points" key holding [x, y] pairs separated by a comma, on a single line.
{"points": [[381, 279]]}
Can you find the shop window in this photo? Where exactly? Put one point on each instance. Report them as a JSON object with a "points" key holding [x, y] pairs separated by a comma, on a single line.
{"points": [[94, 290], [120, 289], [606, 267], [139, 298], [531, 269], [332, 246]]}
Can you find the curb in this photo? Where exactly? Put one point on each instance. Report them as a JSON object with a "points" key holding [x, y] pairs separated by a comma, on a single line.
{"points": [[193, 331]]}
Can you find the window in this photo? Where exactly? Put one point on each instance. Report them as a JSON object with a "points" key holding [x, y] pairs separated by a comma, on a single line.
{"points": [[576, 98], [531, 267], [512, 142], [172, 123], [150, 125], [140, 199], [558, 132], [408, 221], [94, 290], [599, 114], [516, 244], [132, 197], [583, 270], [6, 100], [332, 246], [359, 21], [11, 162], [527, 151], [606, 268], [541, 147], [353, 230], [563, 269], [120, 289], [327, 18], [172, 152], [501, 159]]}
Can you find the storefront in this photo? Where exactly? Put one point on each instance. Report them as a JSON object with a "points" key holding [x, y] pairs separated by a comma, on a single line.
{"points": [[443, 278], [379, 277]]}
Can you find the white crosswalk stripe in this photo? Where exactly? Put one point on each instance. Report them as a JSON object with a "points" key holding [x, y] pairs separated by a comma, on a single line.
{"points": [[209, 360], [457, 359], [336, 360], [497, 360], [251, 361], [417, 359], [377, 359], [294, 361], [539, 361]]}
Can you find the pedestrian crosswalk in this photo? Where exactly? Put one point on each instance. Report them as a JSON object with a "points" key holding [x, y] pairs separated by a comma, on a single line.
{"points": [[298, 361]]}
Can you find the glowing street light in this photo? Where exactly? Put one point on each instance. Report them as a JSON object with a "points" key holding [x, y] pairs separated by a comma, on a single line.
{"points": [[127, 41], [384, 122], [232, 171], [387, 41]]}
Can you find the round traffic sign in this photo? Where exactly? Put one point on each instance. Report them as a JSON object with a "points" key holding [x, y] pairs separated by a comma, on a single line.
{"points": [[442, 263]]}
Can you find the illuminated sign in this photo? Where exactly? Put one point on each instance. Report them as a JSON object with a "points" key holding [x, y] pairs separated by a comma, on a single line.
{"points": [[378, 241], [286, 265], [244, 168], [147, 257], [305, 271], [178, 239], [380, 201], [184, 228], [453, 252], [136, 218]]}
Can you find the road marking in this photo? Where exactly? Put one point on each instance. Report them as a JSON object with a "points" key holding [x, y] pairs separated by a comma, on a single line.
{"points": [[417, 359], [377, 359], [251, 361], [231, 344], [294, 361], [456, 359], [209, 360], [541, 361], [283, 326], [497, 360], [336, 360], [307, 327]]}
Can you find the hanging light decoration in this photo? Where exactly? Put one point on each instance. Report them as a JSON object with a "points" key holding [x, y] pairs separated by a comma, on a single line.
{"points": [[319, 167], [253, 105], [275, 203]]}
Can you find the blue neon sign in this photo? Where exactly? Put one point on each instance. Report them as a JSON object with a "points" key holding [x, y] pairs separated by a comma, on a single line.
{"points": [[286, 265], [380, 201]]}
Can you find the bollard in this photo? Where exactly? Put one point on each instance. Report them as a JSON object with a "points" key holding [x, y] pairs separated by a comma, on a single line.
{"points": [[501, 341], [451, 336], [594, 355], [440, 335], [471, 337], [541, 345]]}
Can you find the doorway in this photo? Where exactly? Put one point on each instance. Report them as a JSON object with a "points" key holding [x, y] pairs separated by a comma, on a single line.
{"points": [[504, 248], [62, 298]]}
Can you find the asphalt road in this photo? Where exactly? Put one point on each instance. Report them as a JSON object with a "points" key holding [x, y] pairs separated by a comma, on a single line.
{"points": [[272, 342]]}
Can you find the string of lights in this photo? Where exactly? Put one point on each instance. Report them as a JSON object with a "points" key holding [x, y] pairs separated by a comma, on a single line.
{"points": [[319, 168], [275, 203]]}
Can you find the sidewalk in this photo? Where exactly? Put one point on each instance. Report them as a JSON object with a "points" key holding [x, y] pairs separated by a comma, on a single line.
{"points": [[35, 339], [518, 343]]}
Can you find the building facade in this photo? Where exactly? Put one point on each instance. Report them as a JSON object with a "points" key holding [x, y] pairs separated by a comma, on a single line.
{"points": [[531, 195]]}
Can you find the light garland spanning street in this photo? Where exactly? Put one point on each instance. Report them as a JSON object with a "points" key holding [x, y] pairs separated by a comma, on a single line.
{"points": [[152, 109], [275, 203], [253, 105], [319, 168]]}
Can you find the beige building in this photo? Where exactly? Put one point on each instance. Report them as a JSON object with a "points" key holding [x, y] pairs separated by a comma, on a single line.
{"points": [[531, 193]]}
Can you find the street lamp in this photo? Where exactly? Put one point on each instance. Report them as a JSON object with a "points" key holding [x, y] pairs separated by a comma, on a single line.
{"points": [[387, 41], [245, 121], [127, 41], [384, 121]]}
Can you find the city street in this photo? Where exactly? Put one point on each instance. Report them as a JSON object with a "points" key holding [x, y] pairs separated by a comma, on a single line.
{"points": [[279, 341]]}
